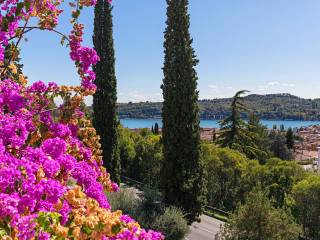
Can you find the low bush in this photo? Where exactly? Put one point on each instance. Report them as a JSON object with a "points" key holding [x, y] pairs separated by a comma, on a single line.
{"points": [[257, 218], [172, 224], [151, 206], [125, 200], [150, 211]]}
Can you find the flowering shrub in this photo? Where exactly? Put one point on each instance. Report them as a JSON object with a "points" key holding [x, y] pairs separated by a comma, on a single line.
{"points": [[52, 182]]}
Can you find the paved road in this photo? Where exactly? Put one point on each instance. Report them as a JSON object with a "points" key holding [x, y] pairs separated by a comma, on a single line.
{"points": [[205, 230]]}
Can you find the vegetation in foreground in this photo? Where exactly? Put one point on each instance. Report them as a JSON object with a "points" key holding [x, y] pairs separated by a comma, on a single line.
{"points": [[150, 211], [258, 219], [233, 177]]}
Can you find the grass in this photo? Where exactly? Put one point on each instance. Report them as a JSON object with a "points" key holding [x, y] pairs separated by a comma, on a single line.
{"points": [[216, 215]]}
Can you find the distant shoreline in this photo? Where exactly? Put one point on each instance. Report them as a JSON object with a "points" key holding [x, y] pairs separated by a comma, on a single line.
{"points": [[277, 107], [213, 119], [136, 123]]}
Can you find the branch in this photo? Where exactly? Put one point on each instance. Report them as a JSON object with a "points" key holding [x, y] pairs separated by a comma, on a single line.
{"points": [[15, 47], [48, 29], [26, 30], [17, 43]]}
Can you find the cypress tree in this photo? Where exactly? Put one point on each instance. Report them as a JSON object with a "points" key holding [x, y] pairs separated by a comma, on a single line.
{"points": [[214, 135], [182, 172], [156, 129], [105, 118], [290, 138]]}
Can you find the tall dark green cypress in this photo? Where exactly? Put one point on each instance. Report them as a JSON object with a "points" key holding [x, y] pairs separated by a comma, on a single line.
{"points": [[290, 138], [105, 118], [182, 172], [156, 128]]}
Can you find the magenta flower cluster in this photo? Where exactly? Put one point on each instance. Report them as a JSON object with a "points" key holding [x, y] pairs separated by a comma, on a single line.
{"points": [[43, 156], [20, 190]]}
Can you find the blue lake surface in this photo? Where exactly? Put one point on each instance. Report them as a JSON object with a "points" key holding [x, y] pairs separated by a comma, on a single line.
{"points": [[147, 123]]}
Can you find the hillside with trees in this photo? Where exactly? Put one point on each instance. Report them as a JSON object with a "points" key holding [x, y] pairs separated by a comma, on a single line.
{"points": [[270, 106]]}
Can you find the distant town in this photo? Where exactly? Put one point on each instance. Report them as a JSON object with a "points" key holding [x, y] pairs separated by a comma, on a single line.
{"points": [[306, 144]]}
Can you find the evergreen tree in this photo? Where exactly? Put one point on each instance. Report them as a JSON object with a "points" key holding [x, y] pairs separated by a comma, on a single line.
{"points": [[156, 128], [259, 139], [214, 135], [182, 172], [290, 138], [232, 129], [246, 137], [152, 129], [105, 118], [279, 147]]}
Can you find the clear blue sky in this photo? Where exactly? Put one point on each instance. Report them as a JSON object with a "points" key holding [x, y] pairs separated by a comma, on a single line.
{"points": [[265, 46]]}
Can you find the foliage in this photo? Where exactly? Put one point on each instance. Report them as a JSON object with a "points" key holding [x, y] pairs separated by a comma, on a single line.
{"points": [[156, 128], [290, 138], [224, 169], [278, 146], [182, 173], [214, 135], [230, 176], [306, 196], [259, 138], [172, 224], [126, 146], [141, 156], [104, 106], [146, 206], [14, 69], [257, 219], [233, 128], [126, 200], [152, 201], [237, 134], [52, 183], [276, 177], [148, 159]]}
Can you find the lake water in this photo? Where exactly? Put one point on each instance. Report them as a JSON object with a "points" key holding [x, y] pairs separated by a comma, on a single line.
{"points": [[147, 123]]}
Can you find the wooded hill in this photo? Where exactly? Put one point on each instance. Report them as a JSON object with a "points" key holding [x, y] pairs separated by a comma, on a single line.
{"points": [[270, 106]]}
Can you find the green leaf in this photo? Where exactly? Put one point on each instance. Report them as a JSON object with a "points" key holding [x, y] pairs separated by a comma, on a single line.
{"points": [[116, 228], [62, 40], [76, 14], [27, 5], [86, 230], [2, 232], [20, 5]]}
